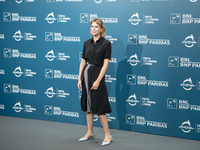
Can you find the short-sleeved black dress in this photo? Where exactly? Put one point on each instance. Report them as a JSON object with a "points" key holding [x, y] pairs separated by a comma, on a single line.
{"points": [[95, 101]]}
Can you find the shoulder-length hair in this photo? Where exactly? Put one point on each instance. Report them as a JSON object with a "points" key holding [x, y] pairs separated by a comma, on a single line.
{"points": [[101, 24]]}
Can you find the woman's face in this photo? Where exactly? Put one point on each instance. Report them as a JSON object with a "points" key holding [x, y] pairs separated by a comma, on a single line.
{"points": [[95, 29]]}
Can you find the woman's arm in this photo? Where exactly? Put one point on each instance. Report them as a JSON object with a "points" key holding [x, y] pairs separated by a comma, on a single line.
{"points": [[101, 74], [82, 64]]}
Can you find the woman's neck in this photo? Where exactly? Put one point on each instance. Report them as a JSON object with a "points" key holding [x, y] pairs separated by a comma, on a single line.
{"points": [[95, 38]]}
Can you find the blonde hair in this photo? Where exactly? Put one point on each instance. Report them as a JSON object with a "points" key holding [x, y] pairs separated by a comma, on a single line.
{"points": [[101, 24]]}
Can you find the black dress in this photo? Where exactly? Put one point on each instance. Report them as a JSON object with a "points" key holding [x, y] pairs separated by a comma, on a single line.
{"points": [[95, 101]]}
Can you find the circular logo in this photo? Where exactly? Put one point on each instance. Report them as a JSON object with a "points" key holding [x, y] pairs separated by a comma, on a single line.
{"points": [[193, 0], [186, 126], [135, 20], [132, 100], [17, 107], [18, 1], [95, 118], [50, 18], [50, 56], [18, 36], [133, 60], [50, 93], [98, 1], [187, 84], [189, 41], [18, 72]]}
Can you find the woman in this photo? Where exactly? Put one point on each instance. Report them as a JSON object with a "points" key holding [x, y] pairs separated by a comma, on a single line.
{"points": [[95, 59]]}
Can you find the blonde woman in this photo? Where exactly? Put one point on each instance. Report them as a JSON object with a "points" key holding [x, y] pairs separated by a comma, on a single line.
{"points": [[95, 59]]}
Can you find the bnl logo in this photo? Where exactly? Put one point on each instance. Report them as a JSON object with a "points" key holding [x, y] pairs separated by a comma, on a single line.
{"points": [[130, 119], [49, 36], [48, 73], [84, 17], [173, 61], [175, 18]]}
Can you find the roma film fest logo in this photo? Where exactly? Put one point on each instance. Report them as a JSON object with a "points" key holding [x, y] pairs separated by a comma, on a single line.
{"points": [[27, 108], [27, 72], [186, 127], [133, 60], [190, 42], [132, 100], [60, 56], [51, 110], [98, 1], [135, 20], [148, 19], [58, 37], [193, 0], [50, 92], [27, 36], [60, 18], [17, 72], [8, 17], [187, 84], [15, 53], [59, 93]]}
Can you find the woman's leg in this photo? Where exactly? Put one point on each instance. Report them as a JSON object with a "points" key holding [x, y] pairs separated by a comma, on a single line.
{"points": [[104, 123], [89, 117]]}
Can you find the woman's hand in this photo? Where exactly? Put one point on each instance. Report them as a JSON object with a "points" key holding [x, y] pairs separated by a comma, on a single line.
{"points": [[95, 85], [79, 84]]}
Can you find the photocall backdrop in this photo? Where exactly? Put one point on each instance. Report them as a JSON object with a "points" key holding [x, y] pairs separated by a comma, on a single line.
{"points": [[153, 79]]}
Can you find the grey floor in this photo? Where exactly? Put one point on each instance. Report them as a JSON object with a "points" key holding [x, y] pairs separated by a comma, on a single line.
{"points": [[27, 134]]}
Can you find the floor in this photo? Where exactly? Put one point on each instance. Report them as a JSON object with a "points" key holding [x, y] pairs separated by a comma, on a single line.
{"points": [[28, 134]]}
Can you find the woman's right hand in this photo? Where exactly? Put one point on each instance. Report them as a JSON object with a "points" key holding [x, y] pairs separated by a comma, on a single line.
{"points": [[79, 84]]}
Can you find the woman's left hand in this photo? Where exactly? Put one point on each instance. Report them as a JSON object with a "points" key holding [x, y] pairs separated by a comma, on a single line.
{"points": [[95, 85]]}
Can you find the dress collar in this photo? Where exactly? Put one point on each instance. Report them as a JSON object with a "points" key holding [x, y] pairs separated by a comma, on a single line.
{"points": [[100, 40]]}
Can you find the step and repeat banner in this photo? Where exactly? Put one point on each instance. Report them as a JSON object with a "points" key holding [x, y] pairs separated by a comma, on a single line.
{"points": [[153, 79]]}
